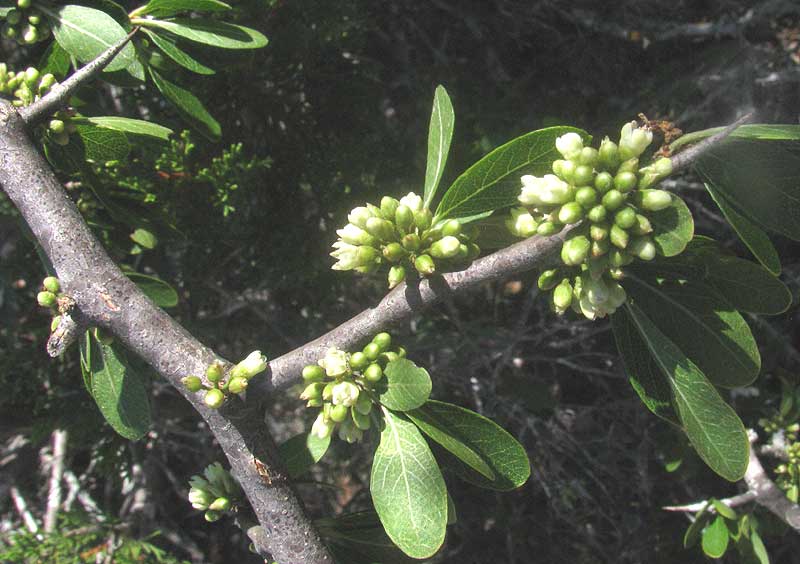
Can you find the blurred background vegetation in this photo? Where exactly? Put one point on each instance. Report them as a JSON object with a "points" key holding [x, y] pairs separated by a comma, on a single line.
{"points": [[334, 112]]}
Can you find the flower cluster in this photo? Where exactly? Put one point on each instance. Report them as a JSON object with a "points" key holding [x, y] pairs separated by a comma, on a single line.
{"points": [[343, 385], [606, 190], [402, 235], [49, 297], [26, 86], [25, 24], [785, 427], [215, 492], [220, 384]]}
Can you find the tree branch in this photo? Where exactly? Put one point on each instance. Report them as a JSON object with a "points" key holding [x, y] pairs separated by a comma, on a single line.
{"points": [[59, 95], [686, 157], [106, 297]]}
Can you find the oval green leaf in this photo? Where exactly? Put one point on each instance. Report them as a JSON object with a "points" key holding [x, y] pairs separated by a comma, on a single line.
{"points": [[128, 125], [85, 33], [171, 50], [118, 390], [407, 489], [494, 181], [702, 324], [164, 8], [302, 451], [673, 227], [713, 428], [99, 144], [692, 534], [724, 510], [440, 133], [478, 442], [210, 32], [748, 286], [762, 131], [407, 385], [188, 105], [715, 538], [161, 293]]}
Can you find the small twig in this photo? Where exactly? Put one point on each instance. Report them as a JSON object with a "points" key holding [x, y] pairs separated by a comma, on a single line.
{"points": [[767, 493], [686, 157], [56, 473], [59, 95], [84, 498], [22, 509], [735, 501]]}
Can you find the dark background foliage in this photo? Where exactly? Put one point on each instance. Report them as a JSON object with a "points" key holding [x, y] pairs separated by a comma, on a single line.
{"points": [[334, 112]]}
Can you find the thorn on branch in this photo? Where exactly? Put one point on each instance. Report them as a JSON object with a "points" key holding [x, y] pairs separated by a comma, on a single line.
{"points": [[59, 95]]}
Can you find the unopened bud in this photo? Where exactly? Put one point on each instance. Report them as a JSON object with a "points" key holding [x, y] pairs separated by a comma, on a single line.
{"points": [[654, 200], [339, 413], [358, 360], [237, 385], [583, 175], [597, 214], [383, 340], [598, 232], [313, 391], [220, 504], [46, 299], [547, 279], [586, 196], [446, 247], [397, 274], [214, 372], [619, 258], [451, 227], [423, 219], [625, 181], [425, 265], [54, 323], [613, 200], [625, 218], [575, 250], [547, 228], [570, 212], [562, 296], [212, 516], [608, 154], [404, 217], [588, 156], [51, 284], [313, 373], [389, 207], [373, 373], [642, 225], [619, 237], [192, 383], [214, 398], [379, 228], [393, 252], [643, 248]]}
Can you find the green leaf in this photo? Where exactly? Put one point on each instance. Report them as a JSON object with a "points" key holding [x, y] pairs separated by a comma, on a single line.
{"points": [[128, 125], [499, 460], [407, 385], [55, 61], [713, 428], [164, 8], [210, 32], [144, 238], [760, 179], [692, 534], [189, 106], [759, 550], [359, 538], [641, 368], [724, 510], [751, 235], [702, 324], [407, 488], [85, 33], [303, 451], [85, 346], [440, 133], [673, 227], [494, 181], [715, 538], [119, 392], [761, 131], [748, 286], [161, 293], [100, 144], [171, 50]]}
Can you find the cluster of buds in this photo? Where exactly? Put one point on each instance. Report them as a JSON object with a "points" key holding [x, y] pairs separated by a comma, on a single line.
{"points": [[343, 384], [606, 190], [25, 86], [402, 234], [215, 492], [788, 473], [25, 24], [220, 384], [49, 297]]}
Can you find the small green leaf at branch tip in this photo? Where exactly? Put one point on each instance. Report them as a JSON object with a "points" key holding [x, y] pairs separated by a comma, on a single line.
{"points": [[407, 386], [208, 32], [440, 134], [715, 538]]}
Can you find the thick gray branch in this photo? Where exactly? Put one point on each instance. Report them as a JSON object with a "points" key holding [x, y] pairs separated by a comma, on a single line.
{"points": [[106, 297]]}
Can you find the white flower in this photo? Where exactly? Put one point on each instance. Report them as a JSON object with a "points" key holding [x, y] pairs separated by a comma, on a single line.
{"points": [[570, 145], [359, 216], [250, 366], [354, 235], [350, 256], [521, 223], [599, 298], [345, 393], [322, 427], [548, 190], [335, 363], [633, 140], [412, 201]]}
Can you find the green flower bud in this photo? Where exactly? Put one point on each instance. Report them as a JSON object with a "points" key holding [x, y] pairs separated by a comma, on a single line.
{"points": [[654, 200], [56, 126], [46, 299], [327, 391], [339, 413], [631, 165], [313, 373], [597, 214], [383, 340], [568, 170], [51, 284], [619, 237], [598, 232], [354, 235], [220, 504], [393, 252], [372, 351], [238, 385], [570, 212], [625, 181], [34, 19], [389, 207], [214, 372], [322, 427], [547, 228], [588, 156], [358, 360], [200, 498], [643, 248], [575, 250], [583, 175], [451, 227], [363, 404], [608, 155], [192, 383], [344, 393], [411, 242], [603, 182], [380, 229], [425, 265], [446, 247], [586, 196], [618, 258], [349, 433], [557, 167], [373, 373], [212, 516], [633, 140], [423, 218], [521, 223], [397, 274], [613, 200], [600, 248], [54, 323], [403, 218], [29, 34], [24, 4], [9, 32], [313, 391], [562, 296], [31, 77], [359, 419], [214, 398], [642, 225], [625, 218], [547, 279]]}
